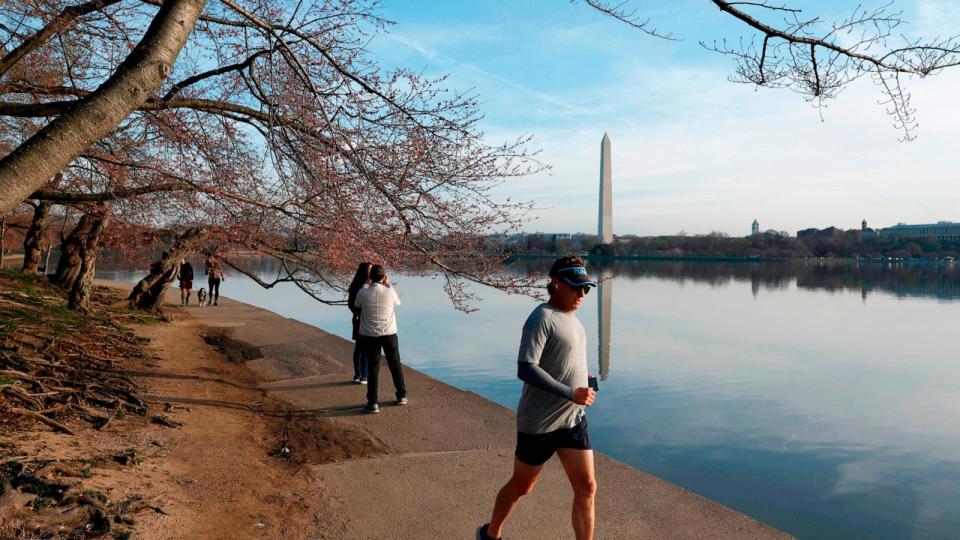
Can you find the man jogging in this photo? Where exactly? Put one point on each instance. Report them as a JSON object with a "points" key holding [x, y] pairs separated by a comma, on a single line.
{"points": [[550, 416]]}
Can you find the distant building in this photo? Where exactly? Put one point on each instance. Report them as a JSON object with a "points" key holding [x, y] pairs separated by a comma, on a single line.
{"points": [[829, 232], [939, 231], [756, 228]]}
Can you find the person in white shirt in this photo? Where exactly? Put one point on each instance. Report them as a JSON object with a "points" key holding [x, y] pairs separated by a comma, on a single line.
{"points": [[378, 330]]}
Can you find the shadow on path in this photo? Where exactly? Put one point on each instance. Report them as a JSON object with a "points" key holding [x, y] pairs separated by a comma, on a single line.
{"points": [[339, 410]]}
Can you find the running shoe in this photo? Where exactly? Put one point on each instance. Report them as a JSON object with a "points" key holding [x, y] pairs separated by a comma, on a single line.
{"points": [[371, 408], [482, 533], [402, 401]]}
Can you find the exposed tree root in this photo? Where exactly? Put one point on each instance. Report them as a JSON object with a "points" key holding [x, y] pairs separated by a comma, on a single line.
{"points": [[57, 366], [50, 500], [59, 369], [39, 417]]}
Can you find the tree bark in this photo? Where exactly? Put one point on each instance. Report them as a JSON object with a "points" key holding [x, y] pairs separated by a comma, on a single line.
{"points": [[35, 240], [68, 267], [71, 251], [140, 75], [111, 195], [148, 294], [79, 299]]}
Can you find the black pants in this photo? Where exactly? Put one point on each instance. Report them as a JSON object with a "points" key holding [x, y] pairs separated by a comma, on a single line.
{"points": [[371, 350], [214, 284]]}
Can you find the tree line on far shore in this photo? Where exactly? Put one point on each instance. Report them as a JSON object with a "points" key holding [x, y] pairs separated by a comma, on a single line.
{"points": [[770, 244]]}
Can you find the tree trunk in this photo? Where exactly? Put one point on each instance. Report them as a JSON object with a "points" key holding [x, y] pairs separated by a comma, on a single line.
{"points": [[77, 246], [68, 268], [89, 249], [149, 292], [35, 241], [36, 160]]}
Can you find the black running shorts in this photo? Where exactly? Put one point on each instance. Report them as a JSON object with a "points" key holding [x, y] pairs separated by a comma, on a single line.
{"points": [[536, 448]]}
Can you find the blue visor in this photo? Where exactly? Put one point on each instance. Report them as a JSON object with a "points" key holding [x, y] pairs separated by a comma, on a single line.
{"points": [[575, 276]]}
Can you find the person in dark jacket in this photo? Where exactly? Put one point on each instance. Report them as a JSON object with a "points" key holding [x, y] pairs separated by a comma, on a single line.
{"points": [[185, 275], [360, 280], [215, 275]]}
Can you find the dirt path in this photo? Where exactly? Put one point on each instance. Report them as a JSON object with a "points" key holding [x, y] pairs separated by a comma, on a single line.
{"points": [[215, 472]]}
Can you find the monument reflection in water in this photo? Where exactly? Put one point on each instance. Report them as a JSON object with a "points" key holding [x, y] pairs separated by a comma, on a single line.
{"points": [[604, 305]]}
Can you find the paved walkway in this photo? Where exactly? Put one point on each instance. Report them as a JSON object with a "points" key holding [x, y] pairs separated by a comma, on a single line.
{"points": [[450, 451]]}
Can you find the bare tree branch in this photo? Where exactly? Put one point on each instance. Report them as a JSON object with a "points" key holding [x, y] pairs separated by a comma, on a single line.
{"points": [[60, 23]]}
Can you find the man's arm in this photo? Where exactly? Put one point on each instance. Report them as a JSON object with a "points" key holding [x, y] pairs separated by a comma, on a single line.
{"points": [[536, 333], [536, 376]]}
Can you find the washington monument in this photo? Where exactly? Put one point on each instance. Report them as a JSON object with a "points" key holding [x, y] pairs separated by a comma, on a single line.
{"points": [[605, 228]]}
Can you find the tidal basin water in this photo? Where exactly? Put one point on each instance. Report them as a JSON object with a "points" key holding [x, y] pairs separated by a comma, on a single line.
{"points": [[820, 398]]}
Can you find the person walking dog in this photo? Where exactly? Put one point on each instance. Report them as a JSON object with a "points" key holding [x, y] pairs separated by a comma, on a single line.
{"points": [[552, 364]]}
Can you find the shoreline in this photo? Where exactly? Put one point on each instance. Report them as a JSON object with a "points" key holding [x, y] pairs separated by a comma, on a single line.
{"points": [[750, 259], [445, 455]]}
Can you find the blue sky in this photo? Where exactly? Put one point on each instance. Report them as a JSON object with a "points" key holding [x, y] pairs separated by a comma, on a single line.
{"points": [[691, 151]]}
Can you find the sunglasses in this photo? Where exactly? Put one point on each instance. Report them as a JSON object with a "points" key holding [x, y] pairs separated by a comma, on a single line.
{"points": [[585, 288]]}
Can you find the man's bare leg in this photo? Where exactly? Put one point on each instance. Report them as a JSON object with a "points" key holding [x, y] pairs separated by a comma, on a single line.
{"points": [[521, 483], [578, 465]]}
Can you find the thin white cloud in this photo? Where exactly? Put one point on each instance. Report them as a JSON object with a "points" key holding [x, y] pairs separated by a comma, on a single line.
{"points": [[448, 62], [936, 18]]}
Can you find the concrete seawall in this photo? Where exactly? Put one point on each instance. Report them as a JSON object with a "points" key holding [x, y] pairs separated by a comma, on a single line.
{"points": [[449, 451]]}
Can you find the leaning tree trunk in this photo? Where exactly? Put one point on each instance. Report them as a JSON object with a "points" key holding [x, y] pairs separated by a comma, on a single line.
{"points": [[89, 248], [31, 164], [149, 292], [35, 240]]}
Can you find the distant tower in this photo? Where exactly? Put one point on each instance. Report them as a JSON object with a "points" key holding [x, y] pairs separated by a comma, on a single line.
{"points": [[605, 228], [756, 227]]}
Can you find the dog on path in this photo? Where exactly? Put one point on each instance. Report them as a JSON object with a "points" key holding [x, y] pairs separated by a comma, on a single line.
{"points": [[202, 297]]}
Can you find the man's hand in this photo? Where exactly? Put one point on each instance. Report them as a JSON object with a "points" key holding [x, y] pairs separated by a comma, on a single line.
{"points": [[584, 396]]}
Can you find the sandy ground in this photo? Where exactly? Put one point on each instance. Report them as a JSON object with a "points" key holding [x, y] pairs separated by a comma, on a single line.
{"points": [[427, 470], [215, 472], [216, 475]]}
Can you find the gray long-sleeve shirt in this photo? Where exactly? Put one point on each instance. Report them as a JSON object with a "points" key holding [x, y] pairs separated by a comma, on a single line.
{"points": [[557, 343]]}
